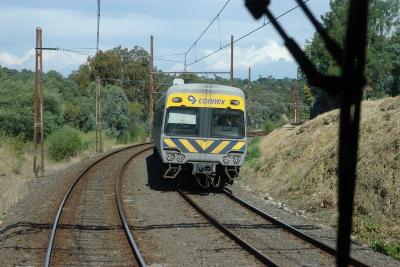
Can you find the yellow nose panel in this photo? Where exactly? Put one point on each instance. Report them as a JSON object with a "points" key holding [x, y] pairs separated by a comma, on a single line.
{"points": [[188, 145], [204, 144], [220, 147], [169, 142], [238, 146]]}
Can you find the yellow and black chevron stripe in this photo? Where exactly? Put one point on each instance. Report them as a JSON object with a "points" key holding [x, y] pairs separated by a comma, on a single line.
{"points": [[188, 145]]}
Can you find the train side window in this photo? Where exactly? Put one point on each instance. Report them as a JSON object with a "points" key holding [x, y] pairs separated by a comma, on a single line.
{"points": [[182, 122]]}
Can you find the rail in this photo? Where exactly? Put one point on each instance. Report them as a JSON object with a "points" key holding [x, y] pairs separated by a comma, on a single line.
{"points": [[66, 196]]}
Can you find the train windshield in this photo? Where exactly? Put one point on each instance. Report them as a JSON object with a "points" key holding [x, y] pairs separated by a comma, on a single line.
{"points": [[227, 123], [182, 121]]}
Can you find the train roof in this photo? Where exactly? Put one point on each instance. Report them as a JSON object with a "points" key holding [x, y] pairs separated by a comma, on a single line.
{"points": [[201, 87]]}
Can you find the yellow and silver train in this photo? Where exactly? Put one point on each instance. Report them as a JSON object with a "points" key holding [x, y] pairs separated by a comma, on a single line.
{"points": [[201, 129]]}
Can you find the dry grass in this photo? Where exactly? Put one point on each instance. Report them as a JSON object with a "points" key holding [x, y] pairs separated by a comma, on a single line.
{"points": [[300, 166], [16, 167]]}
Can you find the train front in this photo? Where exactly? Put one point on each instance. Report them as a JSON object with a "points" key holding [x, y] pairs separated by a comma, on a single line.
{"points": [[204, 132]]}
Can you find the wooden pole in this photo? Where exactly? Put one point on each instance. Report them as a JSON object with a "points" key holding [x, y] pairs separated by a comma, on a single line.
{"points": [[295, 101], [38, 100], [99, 141], [41, 105], [35, 104], [231, 59]]}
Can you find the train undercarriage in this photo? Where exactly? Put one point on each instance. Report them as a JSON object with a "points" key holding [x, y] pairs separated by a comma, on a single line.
{"points": [[206, 174]]}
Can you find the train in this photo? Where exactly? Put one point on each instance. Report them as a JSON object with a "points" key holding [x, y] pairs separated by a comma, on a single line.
{"points": [[200, 130]]}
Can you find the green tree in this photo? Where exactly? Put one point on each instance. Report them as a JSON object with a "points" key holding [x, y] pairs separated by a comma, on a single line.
{"points": [[383, 19], [395, 55], [115, 110]]}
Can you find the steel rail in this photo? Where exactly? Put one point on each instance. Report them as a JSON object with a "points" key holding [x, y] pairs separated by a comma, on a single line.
{"points": [[136, 251], [71, 188], [290, 228], [258, 133], [252, 250]]}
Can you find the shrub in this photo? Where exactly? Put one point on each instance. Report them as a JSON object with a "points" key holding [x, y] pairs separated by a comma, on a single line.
{"points": [[269, 125], [64, 143], [253, 149]]}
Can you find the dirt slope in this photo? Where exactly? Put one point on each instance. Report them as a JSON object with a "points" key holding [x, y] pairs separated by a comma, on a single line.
{"points": [[299, 166]]}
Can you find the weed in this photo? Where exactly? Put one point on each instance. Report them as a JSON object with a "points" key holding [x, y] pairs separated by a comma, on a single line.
{"points": [[295, 182], [253, 149], [365, 227], [390, 249]]}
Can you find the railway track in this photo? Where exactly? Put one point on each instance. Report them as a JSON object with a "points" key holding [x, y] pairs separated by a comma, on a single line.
{"points": [[96, 223], [258, 133], [263, 257], [115, 177]]}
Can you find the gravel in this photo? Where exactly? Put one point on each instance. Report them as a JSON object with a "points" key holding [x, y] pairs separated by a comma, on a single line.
{"points": [[168, 230]]}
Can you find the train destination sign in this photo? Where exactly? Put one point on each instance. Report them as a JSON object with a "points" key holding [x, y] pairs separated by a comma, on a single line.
{"points": [[205, 100]]}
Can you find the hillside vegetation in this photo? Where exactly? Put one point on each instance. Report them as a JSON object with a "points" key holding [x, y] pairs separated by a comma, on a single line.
{"points": [[299, 166]]}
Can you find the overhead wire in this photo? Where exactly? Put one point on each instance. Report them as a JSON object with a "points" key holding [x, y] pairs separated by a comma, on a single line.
{"points": [[168, 60], [245, 35], [171, 55], [208, 26]]}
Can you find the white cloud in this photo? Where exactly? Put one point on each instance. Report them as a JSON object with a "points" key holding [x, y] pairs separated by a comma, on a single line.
{"points": [[51, 60], [252, 56], [8, 59]]}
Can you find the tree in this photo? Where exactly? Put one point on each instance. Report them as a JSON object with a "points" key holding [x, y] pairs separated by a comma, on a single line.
{"points": [[115, 110], [383, 19], [394, 49]]}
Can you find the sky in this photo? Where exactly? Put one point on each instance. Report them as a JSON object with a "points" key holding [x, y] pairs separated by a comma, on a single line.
{"points": [[175, 25]]}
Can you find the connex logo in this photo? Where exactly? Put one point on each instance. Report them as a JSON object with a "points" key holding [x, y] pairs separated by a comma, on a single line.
{"points": [[192, 99]]}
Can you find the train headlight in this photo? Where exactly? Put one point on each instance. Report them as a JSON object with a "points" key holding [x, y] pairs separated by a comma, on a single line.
{"points": [[177, 99], [226, 159], [235, 102], [236, 160], [180, 157], [170, 157]]}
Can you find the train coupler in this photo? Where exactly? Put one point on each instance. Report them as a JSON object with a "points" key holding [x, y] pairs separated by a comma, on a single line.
{"points": [[172, 171]]}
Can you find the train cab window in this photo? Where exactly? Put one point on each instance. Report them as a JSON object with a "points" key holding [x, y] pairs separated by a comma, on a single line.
{"points": [[182, 121], [227, 123]]}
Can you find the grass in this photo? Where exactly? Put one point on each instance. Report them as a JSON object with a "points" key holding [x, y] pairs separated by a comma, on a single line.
{"points": [[253, 149], [16, 164], [369, 230], [296, 182], [253, 154], [391, 249]]}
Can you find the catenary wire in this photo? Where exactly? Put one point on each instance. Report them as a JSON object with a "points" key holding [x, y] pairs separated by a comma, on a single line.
{"points": [[245, 35]]}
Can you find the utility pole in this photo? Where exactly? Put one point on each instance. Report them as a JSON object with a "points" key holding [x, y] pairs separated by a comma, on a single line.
{"points": [[295, 100], [38, 93], [99, 141], [184, 63], [151, 85], [231, 59], [249, 94]]}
